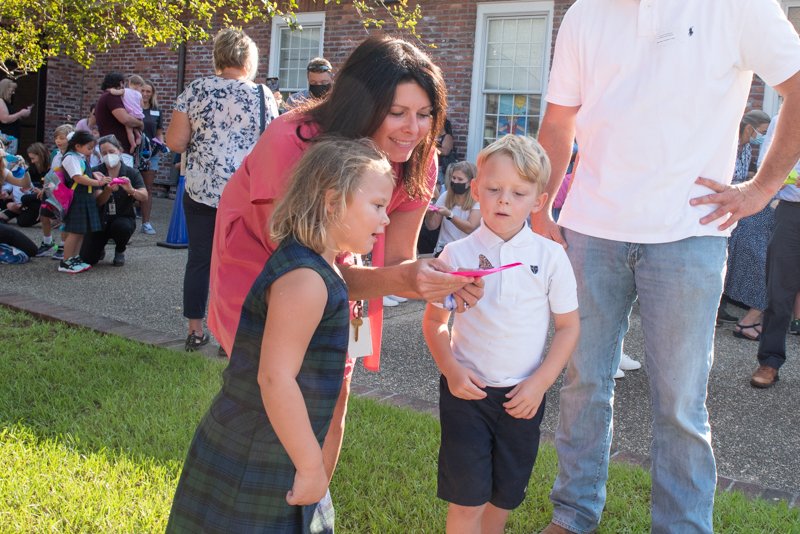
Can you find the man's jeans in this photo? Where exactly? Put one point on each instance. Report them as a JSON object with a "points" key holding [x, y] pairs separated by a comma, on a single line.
{"points": [[679, 286]]}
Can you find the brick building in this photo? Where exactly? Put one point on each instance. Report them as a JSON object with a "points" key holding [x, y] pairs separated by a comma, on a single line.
{"points": [[495, 55]]}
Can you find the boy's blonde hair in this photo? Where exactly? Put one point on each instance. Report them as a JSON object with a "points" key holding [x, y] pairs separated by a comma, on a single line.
{"points": [[331, 164], [63, 130], [471, 171], [135, 79], [529, 158]]}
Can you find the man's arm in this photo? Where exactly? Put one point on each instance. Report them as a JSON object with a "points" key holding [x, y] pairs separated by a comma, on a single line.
{"points": [[556, 135], [742, 200], [123, 117]]}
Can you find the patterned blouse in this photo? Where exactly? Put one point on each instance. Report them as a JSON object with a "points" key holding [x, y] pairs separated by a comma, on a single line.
{"points": [[225, 125], [743, 158]]}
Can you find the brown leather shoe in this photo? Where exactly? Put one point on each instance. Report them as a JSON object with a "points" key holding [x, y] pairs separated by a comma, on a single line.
{"points": [[552, 528], [764, 377]]}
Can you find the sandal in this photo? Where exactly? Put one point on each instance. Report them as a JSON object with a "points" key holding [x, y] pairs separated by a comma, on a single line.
{"points": [[194, 341], [739, 329]]}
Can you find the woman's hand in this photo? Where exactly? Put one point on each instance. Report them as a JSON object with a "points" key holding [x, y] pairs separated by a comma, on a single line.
{"points": [[433, 282], [309, 487]]}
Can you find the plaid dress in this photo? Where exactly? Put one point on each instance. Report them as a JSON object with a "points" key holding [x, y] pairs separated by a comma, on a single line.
{"points": [[237, 473], [83, 216]]}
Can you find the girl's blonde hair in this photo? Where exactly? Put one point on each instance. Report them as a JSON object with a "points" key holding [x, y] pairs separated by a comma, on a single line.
{"points": [[7, 85], [468, 169], [331, 164], [530, 159]]}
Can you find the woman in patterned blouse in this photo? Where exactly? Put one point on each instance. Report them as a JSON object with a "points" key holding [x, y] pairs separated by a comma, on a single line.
{"points": [[216, 122]]}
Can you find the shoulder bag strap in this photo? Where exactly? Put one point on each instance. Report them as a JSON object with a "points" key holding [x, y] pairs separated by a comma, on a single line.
{"points": [[261, 109]]}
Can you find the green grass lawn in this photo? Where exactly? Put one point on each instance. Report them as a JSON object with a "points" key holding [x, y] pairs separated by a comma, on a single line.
{"points": [[94, 429]]}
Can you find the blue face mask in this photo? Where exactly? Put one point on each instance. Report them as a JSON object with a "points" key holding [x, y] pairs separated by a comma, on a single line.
{"points": [[758, 139]]}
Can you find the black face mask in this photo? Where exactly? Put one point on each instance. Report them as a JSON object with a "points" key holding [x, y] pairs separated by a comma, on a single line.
{"points": [[459, 189], [318, 91]]}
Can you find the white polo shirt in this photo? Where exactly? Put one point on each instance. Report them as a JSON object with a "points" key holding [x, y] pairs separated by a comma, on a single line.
{"points": [[503, 337], [662, 86]]}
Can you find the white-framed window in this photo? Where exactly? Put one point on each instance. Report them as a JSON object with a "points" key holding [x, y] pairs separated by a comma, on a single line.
{"points": [[290, 51], [771, 98], [509, 73]]}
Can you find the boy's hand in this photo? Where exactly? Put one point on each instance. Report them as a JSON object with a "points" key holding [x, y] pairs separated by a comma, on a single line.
{"points": [[464, 383], [525, 399], [309, 486]]}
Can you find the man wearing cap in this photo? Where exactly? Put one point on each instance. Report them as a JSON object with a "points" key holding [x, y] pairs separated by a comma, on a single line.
{"points": [[654, 91], [320, 79]]}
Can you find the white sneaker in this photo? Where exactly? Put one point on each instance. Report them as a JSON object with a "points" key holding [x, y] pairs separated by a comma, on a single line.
{"points": [[397, 299], [148, 229], [389, 302], [619, 374], [626, 363]]}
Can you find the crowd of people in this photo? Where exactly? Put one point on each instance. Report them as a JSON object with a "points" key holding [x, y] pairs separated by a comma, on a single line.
{"points": [[91, 186], [282, 202]]}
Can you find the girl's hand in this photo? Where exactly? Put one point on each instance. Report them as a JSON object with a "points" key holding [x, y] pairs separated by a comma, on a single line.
{"points": [[309, 486], [445, 212]]}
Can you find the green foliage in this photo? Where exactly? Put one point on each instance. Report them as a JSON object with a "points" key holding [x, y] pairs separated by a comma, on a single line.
{"points": [[94, 430], [33, 30]]}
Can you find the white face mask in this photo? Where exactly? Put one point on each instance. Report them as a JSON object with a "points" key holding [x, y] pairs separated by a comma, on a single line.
{"points": [[111, 160]]}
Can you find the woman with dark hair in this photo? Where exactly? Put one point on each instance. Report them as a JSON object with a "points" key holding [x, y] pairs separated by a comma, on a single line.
{"points": [[115, 201], [746, 277], [387, 90]]}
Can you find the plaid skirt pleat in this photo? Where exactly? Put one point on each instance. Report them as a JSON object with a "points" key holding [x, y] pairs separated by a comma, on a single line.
{"points": [[83, 216]]}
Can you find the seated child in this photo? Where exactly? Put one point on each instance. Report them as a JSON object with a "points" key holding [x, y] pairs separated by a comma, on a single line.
{"points": [[494, 374], [255, 463], [132, 100]]}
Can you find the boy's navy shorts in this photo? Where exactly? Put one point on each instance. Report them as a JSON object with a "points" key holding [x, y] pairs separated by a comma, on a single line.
{"points": [[485, 454]]}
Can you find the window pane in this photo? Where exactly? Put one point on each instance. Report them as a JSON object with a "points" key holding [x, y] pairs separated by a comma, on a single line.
{"points": [[296, 50], [513, 66], [491, 103], [495, 30]]}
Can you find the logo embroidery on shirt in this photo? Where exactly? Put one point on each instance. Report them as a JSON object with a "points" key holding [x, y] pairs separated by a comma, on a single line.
{"points": [[484, 263], [534, 268], [691, 31]]}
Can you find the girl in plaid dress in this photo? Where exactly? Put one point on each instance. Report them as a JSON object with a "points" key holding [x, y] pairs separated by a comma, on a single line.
{"points": [[255, 463], [83, 216]]}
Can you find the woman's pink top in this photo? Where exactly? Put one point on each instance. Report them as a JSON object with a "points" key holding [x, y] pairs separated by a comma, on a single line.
{"points": [[241, 237]]}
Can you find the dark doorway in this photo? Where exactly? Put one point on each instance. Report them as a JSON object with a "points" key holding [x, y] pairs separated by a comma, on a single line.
{"points": [[31, 90]]}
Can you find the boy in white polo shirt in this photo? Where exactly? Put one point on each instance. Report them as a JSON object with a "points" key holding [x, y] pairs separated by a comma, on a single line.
{"points": [[494, 375]]}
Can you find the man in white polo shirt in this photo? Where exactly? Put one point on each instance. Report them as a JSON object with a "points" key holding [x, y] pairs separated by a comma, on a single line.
{"points": [[654, 90]]}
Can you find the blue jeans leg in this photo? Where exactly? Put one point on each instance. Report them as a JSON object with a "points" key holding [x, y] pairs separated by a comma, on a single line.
{"points": [[679, 285]]}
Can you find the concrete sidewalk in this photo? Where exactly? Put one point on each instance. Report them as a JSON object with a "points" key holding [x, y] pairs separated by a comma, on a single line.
{"points": [[755, 432]]}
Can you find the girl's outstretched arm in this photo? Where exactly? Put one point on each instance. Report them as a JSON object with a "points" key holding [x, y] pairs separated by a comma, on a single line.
{"points": [[296, 303]]}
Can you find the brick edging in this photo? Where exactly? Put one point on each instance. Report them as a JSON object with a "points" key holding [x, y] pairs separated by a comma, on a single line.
{"points": [[57, 312]]}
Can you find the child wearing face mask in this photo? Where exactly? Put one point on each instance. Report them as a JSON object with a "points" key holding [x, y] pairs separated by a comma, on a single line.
{"points": [[456, 213]]}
